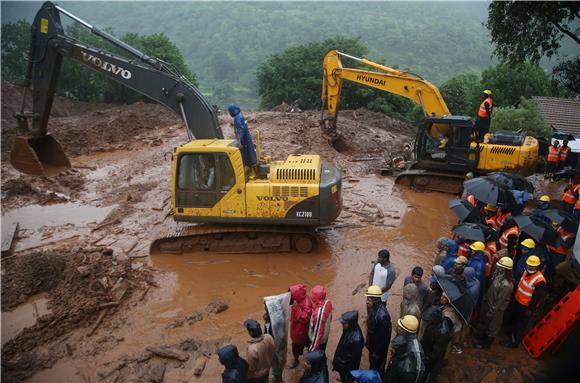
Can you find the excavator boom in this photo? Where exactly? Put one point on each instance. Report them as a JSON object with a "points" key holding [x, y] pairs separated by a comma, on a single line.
{"points": [[38, 153]]}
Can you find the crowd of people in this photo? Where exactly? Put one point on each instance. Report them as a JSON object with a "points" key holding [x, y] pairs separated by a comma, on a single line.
{"points": [[506, 283]]}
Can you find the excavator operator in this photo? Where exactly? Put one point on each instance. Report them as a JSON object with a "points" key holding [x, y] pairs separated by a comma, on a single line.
{"points": [[483, 120]]}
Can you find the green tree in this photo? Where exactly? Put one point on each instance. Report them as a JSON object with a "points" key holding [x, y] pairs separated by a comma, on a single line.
{"points": [[567, 73], [526, 117], [15, 46], [461, 94], [528, 30], [511, 82]]}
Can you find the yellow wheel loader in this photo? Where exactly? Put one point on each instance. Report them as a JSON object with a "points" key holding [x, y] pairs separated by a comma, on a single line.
{"points": [[446, 147], [273, 207]]}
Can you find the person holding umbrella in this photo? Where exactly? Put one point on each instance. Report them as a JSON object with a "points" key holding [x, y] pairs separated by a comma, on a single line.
{"points": [[495, 302], [570, 196], [454, 322], [558, 253], [530, 291]]}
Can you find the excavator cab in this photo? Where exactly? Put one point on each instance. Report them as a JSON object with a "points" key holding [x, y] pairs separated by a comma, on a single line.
{"points": [[447, 144]]}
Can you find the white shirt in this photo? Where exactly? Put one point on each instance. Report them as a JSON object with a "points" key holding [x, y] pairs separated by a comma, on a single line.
{"points": [[381, 276]]}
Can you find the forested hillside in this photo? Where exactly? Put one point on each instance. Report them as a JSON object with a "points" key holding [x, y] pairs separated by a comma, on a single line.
{"points": [[224, 43]]}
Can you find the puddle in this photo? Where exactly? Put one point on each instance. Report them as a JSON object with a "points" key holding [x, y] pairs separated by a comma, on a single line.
{"points": [[23, 316], [43, 224], [239, 279]]}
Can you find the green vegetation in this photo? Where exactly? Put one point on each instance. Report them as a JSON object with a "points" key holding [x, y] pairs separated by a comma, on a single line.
{"points": [[461, 93], [526, 117], [15, 45]]}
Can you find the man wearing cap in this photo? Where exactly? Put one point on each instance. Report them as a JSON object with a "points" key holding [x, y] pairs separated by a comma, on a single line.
{"points": [[543, 205], [378, 329], [408, 361], [260, 353], [495, 302], [483, 120], [530, 291], [383, 274], [457, 271]]}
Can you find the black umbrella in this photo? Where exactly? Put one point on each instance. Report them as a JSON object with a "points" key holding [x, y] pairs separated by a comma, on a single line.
{"points": [[538, 229], [459, 298], [512, 181], [489, 191], [465, 211], [475, 232], [566, 220]]}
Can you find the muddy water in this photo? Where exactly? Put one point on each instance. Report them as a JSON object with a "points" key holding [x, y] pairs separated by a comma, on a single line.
{"points": [[25, 315], [39, 224]]}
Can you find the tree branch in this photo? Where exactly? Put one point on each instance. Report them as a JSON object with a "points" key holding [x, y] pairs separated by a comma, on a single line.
{"points": [[566, 32]]}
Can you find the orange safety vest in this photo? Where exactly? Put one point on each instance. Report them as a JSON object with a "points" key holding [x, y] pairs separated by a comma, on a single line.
{"points": [[503, 240], [492, 221], [577, 204], [490, 253], [553, 153], [562, 249], [463, 250], [570, 195], [501, 218], [471, 200], [527, 286], [564, 151], [482, 112]]}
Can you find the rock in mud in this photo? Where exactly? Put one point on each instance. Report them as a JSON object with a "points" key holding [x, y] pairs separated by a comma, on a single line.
{"points": [[169, 353], [156, 372], [216, 307]]}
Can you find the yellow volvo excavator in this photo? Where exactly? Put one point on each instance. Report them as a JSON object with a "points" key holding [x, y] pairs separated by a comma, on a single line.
{"points": [[445, 146], [273, 207]]}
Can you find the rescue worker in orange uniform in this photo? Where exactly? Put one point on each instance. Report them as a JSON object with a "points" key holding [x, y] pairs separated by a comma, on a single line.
{"points": [[564, 154], [490, 212], [483, 120], [552, 160], [570, 197], [530, 291], [558, 254], [502, 216], [510, 237]]}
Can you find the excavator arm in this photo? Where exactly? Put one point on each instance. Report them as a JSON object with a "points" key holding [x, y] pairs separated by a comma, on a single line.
{"points": [[388, 79], [39, 153]]}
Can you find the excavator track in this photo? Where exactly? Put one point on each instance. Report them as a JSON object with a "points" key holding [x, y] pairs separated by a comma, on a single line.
{"points": [[236, 239], [424, 180]]}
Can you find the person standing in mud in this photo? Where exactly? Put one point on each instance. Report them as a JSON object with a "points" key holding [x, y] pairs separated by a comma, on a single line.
{"points": [[300, 314], [260, 353], [383, 274], [423, 290], [236, 368], [407, 364], [379, 329], [495, 302], [350, 346], [320, 320], [411, 304], [277, 366]]}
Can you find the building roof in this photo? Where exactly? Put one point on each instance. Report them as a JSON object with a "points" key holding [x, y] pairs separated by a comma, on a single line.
{"points": [[562, 114]]}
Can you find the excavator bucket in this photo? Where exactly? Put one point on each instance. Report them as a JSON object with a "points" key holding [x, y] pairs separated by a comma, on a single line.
{"points": [[39, 156]]}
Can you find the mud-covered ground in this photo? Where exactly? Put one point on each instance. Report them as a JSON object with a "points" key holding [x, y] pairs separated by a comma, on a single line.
{"points": [[84, 301]]}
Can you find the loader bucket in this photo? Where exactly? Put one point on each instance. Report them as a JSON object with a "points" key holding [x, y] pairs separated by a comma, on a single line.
{"points": [[39, 156]]}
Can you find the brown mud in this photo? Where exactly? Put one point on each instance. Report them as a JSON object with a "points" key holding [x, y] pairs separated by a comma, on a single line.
{"points": [[83, 231]]}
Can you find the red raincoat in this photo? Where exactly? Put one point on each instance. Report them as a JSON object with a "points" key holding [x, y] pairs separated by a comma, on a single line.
{"points": [[321, 318], [300, 314]]}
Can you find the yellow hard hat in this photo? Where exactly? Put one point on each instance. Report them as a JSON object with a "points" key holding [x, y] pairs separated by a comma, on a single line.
{"points": [[533, 261], [374, 291], [409, 323], [490, 207], [487, 91], [529, 243], [506, 263], [477, 246], [545, 198]]}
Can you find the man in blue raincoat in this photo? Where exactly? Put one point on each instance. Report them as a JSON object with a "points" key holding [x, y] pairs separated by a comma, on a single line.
{"points": [[243, 136]]}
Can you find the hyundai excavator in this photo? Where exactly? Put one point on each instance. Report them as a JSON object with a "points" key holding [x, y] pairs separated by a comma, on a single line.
{"points": [[274, 206], [445, 147]]}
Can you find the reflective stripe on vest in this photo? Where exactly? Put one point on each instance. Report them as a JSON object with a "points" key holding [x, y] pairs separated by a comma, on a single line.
{"points": [[503, 241], [471, 200], [527, 286], [562, 249], [482, 112], [563, 153], [492, 221], [501, 218], [570, 195], [490, 253], [463, 251], [553, 153]]}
